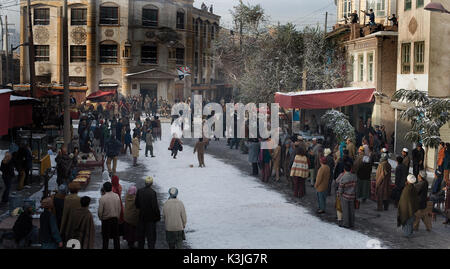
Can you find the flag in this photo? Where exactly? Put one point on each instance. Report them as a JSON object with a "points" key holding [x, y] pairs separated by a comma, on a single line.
{"points": [[183, 72]]}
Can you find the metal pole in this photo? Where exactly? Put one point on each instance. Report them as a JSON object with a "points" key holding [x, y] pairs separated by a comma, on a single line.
{"points": [[395, 131], [31, 51], [67, 137], [326, 21], [6, 50]]}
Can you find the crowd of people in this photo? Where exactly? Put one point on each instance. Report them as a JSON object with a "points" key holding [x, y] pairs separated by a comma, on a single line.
{"points": [[347, 171]]}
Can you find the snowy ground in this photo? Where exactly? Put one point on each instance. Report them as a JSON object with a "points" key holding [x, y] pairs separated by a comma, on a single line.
{"points": [[226, 209]]}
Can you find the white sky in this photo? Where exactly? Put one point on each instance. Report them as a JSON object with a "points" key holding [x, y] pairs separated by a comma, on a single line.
{"points": [[301, 12]]}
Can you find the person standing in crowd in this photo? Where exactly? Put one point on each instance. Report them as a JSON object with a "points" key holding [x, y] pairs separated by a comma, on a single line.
{"points": [[117, 189], [48, 228], [112, 149], [24, 160], [441, 156], [299, 172], [149, 143], [25, 233], [64, 165], [383, 182], [276, 161], [200, 149], [71, 203], [446, 163], [406, 159], [265, 160], [7, 169], [109, 211], [347, 194], [423, 212], [400, 180], [408, 206], [330, 162], [175, 145], [351, 149], [84, 229], [418, 157], [158, 127], [363, 171], [135, 149], [58, 204], [149, 214], [253, 152], [131, 217], [321, 185], [174, 219], [127, 141], [312, 165]]}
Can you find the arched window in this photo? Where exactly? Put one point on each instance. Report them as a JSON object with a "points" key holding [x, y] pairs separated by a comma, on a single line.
{"points": [[179, 55], [109, 52], [109, 14], [150, 16], [205, 27], [180, 19]]}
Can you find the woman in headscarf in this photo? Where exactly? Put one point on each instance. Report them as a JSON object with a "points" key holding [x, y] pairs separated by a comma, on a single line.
{"points": [[131, 217], [117, 188]]}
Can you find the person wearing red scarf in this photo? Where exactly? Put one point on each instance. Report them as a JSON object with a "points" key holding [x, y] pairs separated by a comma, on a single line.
{"points": [[117, 188]]}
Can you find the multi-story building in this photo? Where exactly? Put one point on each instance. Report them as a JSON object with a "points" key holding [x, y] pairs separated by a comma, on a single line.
{"points": [[132, 46], [372, 58], [423, 60]]}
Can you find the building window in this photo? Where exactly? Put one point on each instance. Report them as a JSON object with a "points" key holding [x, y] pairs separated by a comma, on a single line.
{"points": [[196, 25], [77, 54], [379, 7], [346, 8], [408, 4], [419, 3], [406, 58], [204, 30], [109, 15], [419, 53], [41, 16], [149, 54], [150, 16], [204, 60], [180, 56], [361, 67], [370, 66], [108, 54], [213, 31], [78, 16], [180, 19], [352, 68], [42, 53]]}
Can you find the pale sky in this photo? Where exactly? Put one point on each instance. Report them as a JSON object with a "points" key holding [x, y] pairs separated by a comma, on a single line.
{"points": [[300, 12]]}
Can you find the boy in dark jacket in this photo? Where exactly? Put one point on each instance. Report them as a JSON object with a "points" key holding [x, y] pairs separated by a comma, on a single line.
{"points": [[7, 168], [422, 192]]}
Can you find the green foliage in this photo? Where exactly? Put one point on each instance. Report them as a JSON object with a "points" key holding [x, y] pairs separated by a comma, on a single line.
{"points": [[426, 114]]}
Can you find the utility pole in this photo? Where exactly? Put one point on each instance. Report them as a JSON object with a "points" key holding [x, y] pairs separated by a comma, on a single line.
{"points": [[67, 136], [326, 22], [6, 50], [31, 52]]}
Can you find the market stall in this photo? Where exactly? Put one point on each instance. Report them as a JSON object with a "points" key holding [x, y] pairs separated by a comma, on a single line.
{"points": [[39, 150], [4, 111]]}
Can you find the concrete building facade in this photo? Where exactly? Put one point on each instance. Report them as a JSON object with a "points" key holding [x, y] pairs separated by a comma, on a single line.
{"points": [[423, 60], [132, 46]]}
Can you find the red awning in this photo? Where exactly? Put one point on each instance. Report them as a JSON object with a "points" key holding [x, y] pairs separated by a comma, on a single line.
{"points": [[324, 99], [98, 94], [4, 111]]}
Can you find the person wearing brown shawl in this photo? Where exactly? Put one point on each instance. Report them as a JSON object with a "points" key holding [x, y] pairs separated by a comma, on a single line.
{"points": [[71, 203], [83, 227], [383, 182], [131, 217], [408, 206]]}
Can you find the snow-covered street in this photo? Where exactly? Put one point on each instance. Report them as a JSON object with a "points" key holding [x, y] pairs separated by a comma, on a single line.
{"points": [[227, 209]]}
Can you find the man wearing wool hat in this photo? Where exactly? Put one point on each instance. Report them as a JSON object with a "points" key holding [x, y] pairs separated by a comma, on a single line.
{"points": [[174, 219], [406, 159], [147, 203], [424, 211], [408, 206]]}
